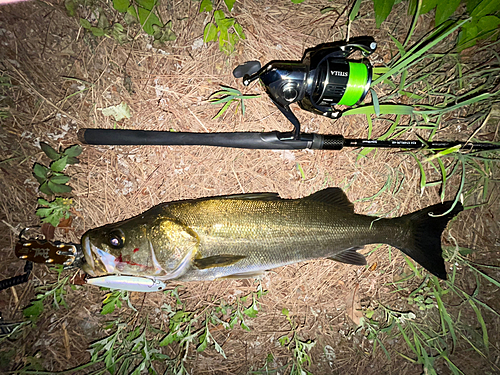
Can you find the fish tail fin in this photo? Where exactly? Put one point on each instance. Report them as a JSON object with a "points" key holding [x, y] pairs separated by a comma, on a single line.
{"points": [[423, 243]]}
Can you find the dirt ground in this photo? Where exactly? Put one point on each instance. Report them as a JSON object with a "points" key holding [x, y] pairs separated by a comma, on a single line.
{"points": [[62, 77]]}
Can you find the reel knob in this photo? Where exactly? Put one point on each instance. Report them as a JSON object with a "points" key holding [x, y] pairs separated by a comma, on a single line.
{"points": [[247, 68]]}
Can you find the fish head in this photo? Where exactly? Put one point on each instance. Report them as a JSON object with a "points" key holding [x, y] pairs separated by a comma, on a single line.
{"points": [[152, 247]]}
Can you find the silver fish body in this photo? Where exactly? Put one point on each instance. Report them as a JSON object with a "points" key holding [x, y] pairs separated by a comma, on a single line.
{"points": [[245, 235]]}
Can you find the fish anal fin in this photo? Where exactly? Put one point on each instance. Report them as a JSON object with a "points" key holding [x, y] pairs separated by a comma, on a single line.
{"points": [[220, 260], [350, 256], [334, 197]]}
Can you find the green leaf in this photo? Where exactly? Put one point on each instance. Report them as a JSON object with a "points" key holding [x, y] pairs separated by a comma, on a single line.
{"points": [[428, 5], [206, 6], [53, 219], [444, 9], [382, 9], [411, 95], [170, 338], [203, 343], [244, 326], [423, 178], [59, 180], [43, 212], [40, 172], [485, 8], [448, 151], [49, 151], [284, 340], [43, 202], [108, 308], [132, 13], [121, 5], [70, 7], [218, 15], [400, 47], [222, 110], [85, 24], [164, 34], [119, 112], [74, 150], [487, 23], [147, 19], [251, 311], [226, 23], [396, 109], [102, 22], [467, 36], [34, 310], [59, 189], [210, 33], [471, 5], [97, 31], [147, 4], [376, 105], [59, 165], [44, 188], [119, 34], [297, 1], [239, 30], [354, 11], [331, 9], [72, 160], [229, 4]]}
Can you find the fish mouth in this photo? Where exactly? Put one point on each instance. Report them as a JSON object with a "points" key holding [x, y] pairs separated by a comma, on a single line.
{"points": [[99, 262]]}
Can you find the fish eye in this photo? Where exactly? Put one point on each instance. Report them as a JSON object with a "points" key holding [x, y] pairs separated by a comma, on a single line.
{"points": [[116, 239]]}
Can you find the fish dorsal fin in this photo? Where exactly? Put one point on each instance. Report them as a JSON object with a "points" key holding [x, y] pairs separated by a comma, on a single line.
{"points": [[220, 260], [253, 196], [333, 196], [350, 256]]}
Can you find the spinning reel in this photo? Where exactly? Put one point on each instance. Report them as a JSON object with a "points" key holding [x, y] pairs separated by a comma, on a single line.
{"points": [[324, 78]]}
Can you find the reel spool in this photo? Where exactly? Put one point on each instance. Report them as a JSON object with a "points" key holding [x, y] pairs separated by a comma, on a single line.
{"points": [[324, 78]]}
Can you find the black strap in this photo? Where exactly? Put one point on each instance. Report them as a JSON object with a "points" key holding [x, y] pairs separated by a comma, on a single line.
{"points": [[16, 280]]}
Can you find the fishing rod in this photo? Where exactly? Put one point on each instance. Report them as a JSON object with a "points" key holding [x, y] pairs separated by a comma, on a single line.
{"points": [[325, 77], [253, 140]]}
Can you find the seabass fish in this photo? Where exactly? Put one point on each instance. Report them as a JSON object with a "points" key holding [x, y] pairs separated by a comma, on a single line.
{"points": [[245, 235]]}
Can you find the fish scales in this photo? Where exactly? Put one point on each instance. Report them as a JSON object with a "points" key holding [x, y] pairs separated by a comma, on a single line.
{"points": [[276, 233], [244, 235]]}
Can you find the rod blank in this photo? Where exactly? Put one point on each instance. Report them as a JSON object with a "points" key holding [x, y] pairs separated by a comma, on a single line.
{"points": [[253, 140]]}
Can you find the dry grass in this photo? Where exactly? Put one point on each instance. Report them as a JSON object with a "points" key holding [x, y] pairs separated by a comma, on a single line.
{"points": [[41, 46]]}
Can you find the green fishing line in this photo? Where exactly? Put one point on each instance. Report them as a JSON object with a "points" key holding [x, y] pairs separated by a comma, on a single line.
{"points": [[357, 85]]}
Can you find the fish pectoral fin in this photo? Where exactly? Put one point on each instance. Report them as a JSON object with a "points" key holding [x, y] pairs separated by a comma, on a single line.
{"points": [[350, 256], [244, 275], [217, 261]]}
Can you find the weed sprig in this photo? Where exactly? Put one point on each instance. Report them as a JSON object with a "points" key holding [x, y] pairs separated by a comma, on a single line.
{"points": [[300, 348], [426, 338], [130, 351]]}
